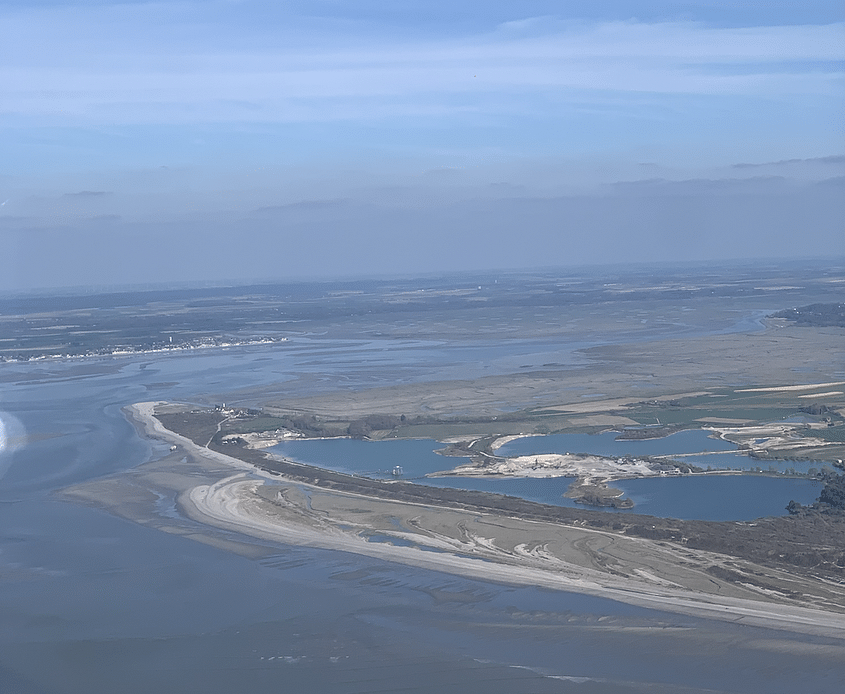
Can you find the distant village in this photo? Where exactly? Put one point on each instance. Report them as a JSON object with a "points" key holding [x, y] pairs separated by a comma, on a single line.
{"points": [[151, 348]]}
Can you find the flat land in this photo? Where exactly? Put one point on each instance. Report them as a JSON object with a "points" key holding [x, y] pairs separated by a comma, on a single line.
{"points": [[672, 369], [232, 498]]}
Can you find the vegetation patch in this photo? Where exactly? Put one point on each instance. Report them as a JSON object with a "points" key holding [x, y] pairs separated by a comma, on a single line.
{"points": [[811, 538], [815, 315]]}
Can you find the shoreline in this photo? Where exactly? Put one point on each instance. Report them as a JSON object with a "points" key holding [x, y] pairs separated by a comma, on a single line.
{"points": [[117, 352], [229, 503], [237, 496]]}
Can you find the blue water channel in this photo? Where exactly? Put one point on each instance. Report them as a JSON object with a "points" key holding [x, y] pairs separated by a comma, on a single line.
{"points": [[698, 497]]}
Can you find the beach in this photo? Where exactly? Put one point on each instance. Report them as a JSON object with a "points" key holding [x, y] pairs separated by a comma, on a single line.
{"points": [[225, 496]]}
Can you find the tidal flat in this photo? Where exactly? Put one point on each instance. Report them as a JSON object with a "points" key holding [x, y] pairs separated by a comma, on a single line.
{"points": [[189, 567]]}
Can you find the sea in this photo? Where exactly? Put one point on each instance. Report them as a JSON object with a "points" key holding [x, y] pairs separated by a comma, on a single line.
{"points": [[93, 603]]}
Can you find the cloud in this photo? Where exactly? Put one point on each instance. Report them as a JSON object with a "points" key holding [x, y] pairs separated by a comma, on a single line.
{"points": [[768, 185], [637, 221], [122, 64], [808, 170], [303, 206], [364, 139], [836, 159]]}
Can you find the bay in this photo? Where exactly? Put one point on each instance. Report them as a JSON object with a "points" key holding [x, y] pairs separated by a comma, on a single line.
{"points": [[93, 603]]}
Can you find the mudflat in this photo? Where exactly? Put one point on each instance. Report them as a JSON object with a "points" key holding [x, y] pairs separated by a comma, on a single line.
{"points": [[226, 495], [238, 497]]}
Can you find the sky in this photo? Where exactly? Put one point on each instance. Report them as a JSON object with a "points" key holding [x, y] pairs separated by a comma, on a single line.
{"points": [[247, 140]]}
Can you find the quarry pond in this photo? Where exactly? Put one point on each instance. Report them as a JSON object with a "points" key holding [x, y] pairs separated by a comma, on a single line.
{"points": [[716, 497]]}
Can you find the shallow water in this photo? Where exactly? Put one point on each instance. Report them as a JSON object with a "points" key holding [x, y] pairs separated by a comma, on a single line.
{"points": [[698, 497], [416, 457], [736, 461], [93, 603], [718, 497]]}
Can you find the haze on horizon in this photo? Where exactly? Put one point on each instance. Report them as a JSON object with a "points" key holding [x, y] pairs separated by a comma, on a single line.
{"points": [[241, 139]]}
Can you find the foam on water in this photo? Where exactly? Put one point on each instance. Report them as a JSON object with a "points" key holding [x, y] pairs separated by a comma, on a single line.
{"points": [[11, 438]]}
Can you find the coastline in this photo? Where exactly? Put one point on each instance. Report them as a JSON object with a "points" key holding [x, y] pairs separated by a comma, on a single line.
{"points": [[220, 492]]}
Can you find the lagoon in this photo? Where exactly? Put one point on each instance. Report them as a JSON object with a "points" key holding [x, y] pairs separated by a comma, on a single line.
{"points": [[370, 458], [695, 497], [718, 497]]}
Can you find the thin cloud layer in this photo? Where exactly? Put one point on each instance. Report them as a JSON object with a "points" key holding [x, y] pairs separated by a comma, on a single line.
{"points": [[370, 136], [54, 69]]}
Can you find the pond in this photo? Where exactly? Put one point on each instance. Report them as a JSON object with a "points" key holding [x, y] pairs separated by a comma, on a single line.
{"points": [[718, 497], [698, 497], [376, 459]]}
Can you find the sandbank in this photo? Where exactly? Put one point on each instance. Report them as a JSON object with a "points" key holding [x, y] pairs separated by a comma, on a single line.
{"points": [[215, 495]]}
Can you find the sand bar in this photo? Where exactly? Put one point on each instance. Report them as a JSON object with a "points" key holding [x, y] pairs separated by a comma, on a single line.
{"points": [[787, 389], [227, 495]]}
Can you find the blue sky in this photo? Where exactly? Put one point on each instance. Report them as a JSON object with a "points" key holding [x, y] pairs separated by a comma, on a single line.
{"points": [[229, 139]]}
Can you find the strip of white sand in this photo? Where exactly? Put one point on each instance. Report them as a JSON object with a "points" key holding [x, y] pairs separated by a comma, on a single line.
{"points": [[245, 504], [787, 389], [233, 504]]}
